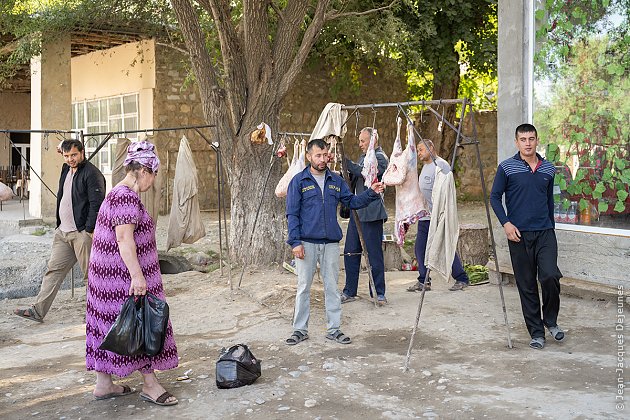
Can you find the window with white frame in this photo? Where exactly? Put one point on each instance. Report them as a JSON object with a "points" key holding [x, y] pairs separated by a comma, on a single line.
{"points": [[117, 113]]}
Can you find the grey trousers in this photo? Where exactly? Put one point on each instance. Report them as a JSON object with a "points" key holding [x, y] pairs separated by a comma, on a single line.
{"points": [[328, 257], [67, 249]]}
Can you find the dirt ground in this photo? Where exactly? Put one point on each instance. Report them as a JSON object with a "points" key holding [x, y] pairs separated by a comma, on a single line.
{"points": [[461, 366]]}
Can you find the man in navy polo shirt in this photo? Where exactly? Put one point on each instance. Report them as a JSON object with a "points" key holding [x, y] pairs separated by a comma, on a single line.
{"points": [[526, 179], [314, 235]]}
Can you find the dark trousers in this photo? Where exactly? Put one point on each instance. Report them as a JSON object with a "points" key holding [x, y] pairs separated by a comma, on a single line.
{"points": [[458, 272], [373, 236], [537, 253]]}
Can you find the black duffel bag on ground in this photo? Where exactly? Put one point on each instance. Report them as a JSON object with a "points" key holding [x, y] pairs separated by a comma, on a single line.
{"points": [[236, 367]]}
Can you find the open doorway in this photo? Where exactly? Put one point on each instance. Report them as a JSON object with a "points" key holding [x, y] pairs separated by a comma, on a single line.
{"points": [[19, 164]]}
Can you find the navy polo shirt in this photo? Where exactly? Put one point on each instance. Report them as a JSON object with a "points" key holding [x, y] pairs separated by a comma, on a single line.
{"points": [[528, 194]]}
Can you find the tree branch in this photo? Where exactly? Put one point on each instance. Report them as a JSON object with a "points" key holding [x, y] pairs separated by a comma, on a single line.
{"points": [[333, 15], [288, 30], [310, 36], [181, 50], [232, 58], [212, 96]]}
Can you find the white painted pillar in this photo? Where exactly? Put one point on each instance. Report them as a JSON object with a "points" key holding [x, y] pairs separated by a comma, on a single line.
{"points": [[51, 108]]}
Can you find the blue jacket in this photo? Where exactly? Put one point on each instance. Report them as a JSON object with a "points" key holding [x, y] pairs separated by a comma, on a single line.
{"points": [[376, 209], [528, 194], [312, 217]]}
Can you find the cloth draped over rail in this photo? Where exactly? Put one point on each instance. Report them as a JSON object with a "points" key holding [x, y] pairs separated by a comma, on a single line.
{"points": [[444, 226], [185, 224], [330, 122], [152, 198]]}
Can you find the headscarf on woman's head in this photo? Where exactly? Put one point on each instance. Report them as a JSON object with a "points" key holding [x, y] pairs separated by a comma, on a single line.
{"points": [[143, 152]]}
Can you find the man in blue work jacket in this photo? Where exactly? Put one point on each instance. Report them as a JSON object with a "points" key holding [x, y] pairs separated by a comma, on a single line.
{"points": [[314, 236]]}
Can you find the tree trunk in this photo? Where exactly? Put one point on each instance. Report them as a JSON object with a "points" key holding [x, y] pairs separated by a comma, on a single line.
{"points": [[256, 241]]}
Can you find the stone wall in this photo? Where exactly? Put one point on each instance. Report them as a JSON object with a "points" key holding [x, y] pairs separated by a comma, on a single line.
{"points": [[174, 105], [467, 166], [314, 89]]}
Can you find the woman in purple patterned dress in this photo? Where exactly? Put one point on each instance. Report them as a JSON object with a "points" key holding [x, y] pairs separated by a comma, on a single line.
{"points": [[124, 261]]}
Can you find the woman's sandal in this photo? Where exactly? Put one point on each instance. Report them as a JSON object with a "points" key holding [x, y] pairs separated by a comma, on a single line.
{"points": [[28, 314], [161, 400], [339, 337], [295, 338]]}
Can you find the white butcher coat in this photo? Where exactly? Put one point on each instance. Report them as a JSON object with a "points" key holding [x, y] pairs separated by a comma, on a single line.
{"points": [[444, 226]]}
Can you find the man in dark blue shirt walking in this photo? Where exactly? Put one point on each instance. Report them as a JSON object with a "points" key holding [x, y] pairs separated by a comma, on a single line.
{"points": [[526, 179]]}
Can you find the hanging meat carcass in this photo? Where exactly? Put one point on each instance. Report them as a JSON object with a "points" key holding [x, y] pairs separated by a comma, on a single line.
{"points": [[397, 168], [410, 204], [297, 165], [370, 164]]}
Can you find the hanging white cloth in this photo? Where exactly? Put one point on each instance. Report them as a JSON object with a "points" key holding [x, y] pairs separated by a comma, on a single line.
{"points": [[185, 224], [330, 122], [410, 204], [444, 226], [118, 171]]}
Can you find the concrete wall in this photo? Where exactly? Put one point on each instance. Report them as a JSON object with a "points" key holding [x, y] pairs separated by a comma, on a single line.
{"points": [[122, 70], [600, 256], [15, 114], [125, 69]]}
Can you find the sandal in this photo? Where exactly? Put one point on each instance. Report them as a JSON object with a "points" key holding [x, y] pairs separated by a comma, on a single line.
{"points": [[28, 314], [339, 337], [345, 298], [126, 391], [556, 332], [296, 337], [161, 400], [537, 343]]}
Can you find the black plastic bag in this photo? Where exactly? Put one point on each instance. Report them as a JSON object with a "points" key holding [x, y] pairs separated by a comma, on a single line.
{"points": [[125, 337], [236, 367], [140, 328], [155, 322]]}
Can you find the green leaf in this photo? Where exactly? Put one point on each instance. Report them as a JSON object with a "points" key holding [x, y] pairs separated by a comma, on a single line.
{"points": [[583, 204], [620, 207], [540, 14], [622, 195], [620, 164], [587, 190], [607, 175], [600, 188], [563, 184], [602, 207]]}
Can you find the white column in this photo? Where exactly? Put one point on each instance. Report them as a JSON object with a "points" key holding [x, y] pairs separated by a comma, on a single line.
{"points": [[51, 108]]}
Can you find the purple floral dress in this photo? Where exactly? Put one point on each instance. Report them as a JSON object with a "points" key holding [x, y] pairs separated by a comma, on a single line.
{"points": [[109, 282]]}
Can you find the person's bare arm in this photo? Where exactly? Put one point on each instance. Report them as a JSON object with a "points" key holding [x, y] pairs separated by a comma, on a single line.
{"points": [[127, 247]]}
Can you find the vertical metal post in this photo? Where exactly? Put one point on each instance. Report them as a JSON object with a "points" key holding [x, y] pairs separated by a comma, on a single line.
{"points": [[415, 326], [357, 222], [494, 248]]}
